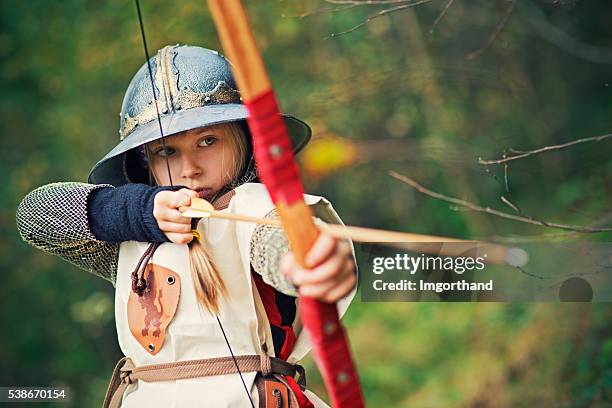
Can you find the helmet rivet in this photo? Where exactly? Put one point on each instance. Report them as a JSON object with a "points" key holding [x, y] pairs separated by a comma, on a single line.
{"points": [[276, 151], [152, 347]]}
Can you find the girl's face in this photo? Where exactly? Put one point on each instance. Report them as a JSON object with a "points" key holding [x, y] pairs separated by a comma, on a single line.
{"points": [[202, 159]]}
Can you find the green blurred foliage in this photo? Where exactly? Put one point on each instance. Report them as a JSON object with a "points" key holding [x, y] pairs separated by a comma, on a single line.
{"points": [[403, 90]]}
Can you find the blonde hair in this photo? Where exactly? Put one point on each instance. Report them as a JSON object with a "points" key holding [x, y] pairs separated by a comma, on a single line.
{"points": [[240, 147], [208, 284]]}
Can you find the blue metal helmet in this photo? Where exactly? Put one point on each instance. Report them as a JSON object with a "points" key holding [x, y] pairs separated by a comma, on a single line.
{"points": [[194, 87]]}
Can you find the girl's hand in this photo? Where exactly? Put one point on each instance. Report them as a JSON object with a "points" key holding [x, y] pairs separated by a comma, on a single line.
{"points": [[170, 221], [332, 270]]}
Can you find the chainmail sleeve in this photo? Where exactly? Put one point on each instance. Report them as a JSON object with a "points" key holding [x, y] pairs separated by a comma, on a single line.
{"points": [[269, 244], [53, 218]]}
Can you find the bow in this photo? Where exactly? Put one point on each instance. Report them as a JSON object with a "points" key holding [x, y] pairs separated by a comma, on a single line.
{"points": [[278, 171]]}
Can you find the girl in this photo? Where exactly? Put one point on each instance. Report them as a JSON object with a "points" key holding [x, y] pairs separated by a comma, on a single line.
{"points": [[205, 309]]}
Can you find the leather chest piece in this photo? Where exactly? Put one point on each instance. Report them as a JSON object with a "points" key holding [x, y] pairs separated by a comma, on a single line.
{"points": [[150, 313]]}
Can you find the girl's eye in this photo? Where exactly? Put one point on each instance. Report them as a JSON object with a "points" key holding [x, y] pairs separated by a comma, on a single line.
{"points": [[164, 152], [207, 141]]}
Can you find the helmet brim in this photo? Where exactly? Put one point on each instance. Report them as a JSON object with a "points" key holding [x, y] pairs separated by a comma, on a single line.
{"points": [[118, 168]]}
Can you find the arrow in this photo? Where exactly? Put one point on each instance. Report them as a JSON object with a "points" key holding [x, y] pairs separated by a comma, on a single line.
{"points": [[496, 254]]}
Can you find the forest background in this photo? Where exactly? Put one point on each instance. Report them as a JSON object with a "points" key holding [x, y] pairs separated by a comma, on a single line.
{"points": [[423, 88]]}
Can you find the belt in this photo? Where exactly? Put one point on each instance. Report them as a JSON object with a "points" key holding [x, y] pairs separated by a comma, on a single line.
{"points": [[125, 373]]}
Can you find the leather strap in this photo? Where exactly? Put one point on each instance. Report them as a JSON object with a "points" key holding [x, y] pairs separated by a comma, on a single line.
{"points": [[125, 373], [116, 386]]}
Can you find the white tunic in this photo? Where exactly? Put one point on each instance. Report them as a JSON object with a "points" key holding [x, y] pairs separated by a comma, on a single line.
{"points": [[194, 333]]}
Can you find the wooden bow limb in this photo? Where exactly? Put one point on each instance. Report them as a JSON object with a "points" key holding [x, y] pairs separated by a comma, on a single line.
{"points": [[429, 244], [279, 172]]}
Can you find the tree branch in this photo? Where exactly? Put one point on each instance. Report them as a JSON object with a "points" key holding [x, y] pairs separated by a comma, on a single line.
{"points": [[475, 207], [440, 16], [321, 10], [522, 154], [366, 2], [378, 14], [494, 34]]}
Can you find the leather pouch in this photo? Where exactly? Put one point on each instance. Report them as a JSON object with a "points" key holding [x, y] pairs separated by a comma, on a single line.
{"points": [[274, 392]]}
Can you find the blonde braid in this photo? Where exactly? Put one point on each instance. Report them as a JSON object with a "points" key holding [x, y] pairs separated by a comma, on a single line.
{"points": [[207, 281]]}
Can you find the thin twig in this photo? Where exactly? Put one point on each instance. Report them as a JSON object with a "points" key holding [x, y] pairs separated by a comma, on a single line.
{"points": [[543, 149], [500, 26], [440, 16], [503, 198], [506, 177], [366, 2], [379, 14], [568, 275], [488, 210], [509, 199], [516, 151], [321, 10], [557, 236], [510, 204], [561, 39]]}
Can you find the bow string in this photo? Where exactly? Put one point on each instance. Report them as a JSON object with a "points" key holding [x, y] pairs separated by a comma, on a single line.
{"points": [[163, 139]]}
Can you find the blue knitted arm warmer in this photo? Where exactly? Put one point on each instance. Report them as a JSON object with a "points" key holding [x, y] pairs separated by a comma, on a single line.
{"points": [[125, 213]]}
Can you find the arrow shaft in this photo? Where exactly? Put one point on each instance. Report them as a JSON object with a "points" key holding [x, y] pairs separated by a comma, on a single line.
{"points": [[429, 244]]}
